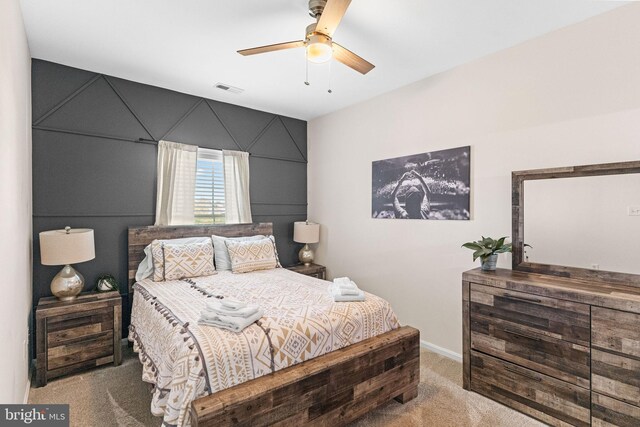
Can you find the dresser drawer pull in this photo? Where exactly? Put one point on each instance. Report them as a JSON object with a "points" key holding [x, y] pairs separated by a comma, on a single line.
{"points": [[538, 379], [520, 334], [538, 300]]}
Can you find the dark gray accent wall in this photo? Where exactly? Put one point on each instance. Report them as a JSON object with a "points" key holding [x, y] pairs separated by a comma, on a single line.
{"points": [[90, 171]]}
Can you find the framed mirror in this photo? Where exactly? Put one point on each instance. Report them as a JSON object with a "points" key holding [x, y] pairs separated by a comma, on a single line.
{"points": [[581, 222]]}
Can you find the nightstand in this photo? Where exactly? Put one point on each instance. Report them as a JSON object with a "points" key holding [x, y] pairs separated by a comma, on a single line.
{"points": [[73, 336], [313, 270]]}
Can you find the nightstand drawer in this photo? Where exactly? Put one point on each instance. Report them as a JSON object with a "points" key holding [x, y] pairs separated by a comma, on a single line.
{"points": [[312, 270], [97, 346], [316, 275], [78, 325]]}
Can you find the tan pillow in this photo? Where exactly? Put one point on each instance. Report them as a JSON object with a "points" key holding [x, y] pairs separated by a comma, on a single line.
{"points": [[157, 255], [252, 255], [188, 260]]}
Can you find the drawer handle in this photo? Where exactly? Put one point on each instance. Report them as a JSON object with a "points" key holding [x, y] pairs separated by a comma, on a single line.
{"points": [[531, 376], [520, 334], [538, 300]]}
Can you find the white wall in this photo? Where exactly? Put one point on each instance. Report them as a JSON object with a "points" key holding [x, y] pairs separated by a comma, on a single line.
{"points": [[567, 98], [15, 194]]}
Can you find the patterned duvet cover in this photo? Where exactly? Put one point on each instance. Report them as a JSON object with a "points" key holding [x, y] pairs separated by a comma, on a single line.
{"points": [[185, 361]]}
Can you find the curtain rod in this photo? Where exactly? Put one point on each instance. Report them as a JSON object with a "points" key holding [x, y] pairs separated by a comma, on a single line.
{"points": [[154, 142], [147, 141]]}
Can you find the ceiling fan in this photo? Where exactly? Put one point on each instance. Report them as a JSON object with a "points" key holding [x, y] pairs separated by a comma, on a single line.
{"points": [[318, 39]]}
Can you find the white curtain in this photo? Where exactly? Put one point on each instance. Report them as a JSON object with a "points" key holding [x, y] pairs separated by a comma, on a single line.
{"points": [[236, 187], [176, 183]]}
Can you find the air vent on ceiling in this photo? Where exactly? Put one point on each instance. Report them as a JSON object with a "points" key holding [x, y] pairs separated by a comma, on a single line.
{"points": [[228, 88]]}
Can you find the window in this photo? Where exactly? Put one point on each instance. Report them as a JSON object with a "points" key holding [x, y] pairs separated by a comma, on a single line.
{"points": [[202, 186], [209, 201]]}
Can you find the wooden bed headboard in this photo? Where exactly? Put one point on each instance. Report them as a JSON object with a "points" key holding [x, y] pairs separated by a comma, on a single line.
{"points": [[140, 237]]}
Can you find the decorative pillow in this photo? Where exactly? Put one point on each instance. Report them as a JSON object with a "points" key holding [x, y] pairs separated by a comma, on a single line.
{"points": [[223, 262], [153, 263], [188, 260], [252, 255]]}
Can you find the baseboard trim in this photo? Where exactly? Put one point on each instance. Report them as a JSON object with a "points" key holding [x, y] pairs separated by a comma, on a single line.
{"points": [[441, 351], [26, 392]]}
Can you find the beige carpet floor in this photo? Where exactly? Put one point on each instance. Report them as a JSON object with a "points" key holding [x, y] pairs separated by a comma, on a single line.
{"points": [[116, 396]]}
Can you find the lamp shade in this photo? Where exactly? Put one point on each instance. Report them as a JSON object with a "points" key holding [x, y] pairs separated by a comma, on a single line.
{"points": [[306, 232], [68, 246]]}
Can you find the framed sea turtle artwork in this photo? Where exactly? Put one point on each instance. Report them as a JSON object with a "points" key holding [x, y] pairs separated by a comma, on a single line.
{"points": [[431, 186]]}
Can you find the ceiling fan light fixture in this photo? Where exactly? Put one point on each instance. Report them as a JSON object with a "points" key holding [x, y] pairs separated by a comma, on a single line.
{"points": [[319, 48]]}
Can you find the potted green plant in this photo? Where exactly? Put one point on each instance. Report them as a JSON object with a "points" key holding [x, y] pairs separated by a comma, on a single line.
{"points": [[488, 250], [106, 283]]}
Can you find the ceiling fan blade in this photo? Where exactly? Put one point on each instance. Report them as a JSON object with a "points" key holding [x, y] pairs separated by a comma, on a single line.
{"points": [[271, 48], [351, 60], [331, 16]]}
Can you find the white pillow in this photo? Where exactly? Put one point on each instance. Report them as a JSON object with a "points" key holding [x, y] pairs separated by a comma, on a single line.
{"points": [[145, 268], [221, 253]]}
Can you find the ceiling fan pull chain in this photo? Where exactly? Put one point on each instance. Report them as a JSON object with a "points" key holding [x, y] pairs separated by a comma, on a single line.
{"points": [[306, 68], [330, 91]]}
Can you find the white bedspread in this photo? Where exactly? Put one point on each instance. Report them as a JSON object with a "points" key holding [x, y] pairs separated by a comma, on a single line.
{"points": [[186, 361]]}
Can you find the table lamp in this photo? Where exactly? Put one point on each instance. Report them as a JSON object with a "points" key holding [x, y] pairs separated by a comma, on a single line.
{"points": [[306, 232], [65, 247]]}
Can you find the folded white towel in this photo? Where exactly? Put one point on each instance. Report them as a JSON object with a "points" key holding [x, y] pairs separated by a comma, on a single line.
{"points": [[231, 323], [345, 293], [213, 309], [228, 303], [349, 298], [337, 290], [351, 285], [343, 281]]}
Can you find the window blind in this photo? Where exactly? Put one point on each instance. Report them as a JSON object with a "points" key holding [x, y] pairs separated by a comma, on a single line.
{"points": [[209, 203]]}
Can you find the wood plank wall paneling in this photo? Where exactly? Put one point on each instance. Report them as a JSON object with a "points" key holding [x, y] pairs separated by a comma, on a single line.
{"points": [[89, 171]]}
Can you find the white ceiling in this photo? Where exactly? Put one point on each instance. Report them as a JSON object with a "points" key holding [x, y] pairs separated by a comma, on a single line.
{"points": [[190, 45]]}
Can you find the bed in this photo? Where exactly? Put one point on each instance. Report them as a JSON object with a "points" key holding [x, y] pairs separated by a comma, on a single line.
{"points": [[308, 361]]}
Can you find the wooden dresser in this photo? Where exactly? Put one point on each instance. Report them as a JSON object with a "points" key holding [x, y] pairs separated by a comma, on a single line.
{"points": [[565, 351], [75, 335]]}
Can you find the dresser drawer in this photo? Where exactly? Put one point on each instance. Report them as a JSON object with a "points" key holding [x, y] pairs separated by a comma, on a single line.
{"points": [[615, 367], [615, 330], [616, 376], [606, 412], [553, 401], [547, 335]]}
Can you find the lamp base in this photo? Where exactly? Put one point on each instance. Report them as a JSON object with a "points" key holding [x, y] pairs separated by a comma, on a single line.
{"points": [[305, 255], [67, 284]]}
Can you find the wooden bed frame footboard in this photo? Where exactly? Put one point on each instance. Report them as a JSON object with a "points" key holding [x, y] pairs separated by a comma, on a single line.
{"points": [[330, 390]]}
